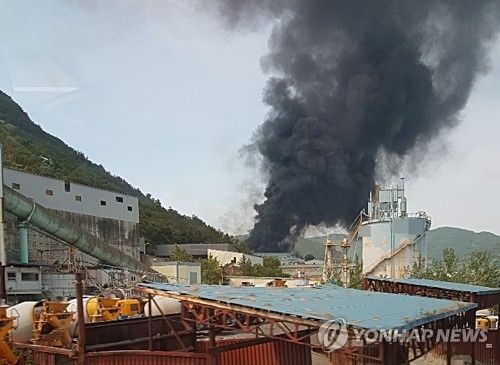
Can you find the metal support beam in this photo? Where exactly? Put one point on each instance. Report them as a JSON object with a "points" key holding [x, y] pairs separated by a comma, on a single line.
{"points": [[81, 319]]}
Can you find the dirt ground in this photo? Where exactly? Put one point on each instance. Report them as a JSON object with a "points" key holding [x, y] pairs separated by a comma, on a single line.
{"points": [[428, 359]]}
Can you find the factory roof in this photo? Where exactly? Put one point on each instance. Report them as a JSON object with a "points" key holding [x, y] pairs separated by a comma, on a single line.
{"points": [[365, 309], [445, 285], [194, 249]]}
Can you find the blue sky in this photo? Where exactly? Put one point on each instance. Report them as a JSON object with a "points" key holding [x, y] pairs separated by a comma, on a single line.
{"points": [[164, 97]]}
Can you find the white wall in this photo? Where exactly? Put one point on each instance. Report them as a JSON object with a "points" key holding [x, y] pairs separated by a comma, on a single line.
{"points": [[226, 257]]}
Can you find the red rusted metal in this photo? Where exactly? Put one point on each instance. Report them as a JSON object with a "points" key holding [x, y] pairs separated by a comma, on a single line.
{"points": [[167, 333], [486, 352], [145, 358], [45, 354], [483, 301], [272, 352]]}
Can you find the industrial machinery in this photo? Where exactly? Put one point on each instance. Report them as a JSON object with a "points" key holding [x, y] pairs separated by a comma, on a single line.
{"points": [[6, 324], [485, 320], [162, 305], [129, 308], [329, 265], [51, 324], [102, 309]]}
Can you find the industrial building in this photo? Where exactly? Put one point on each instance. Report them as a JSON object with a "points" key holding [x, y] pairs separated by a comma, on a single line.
{"points": [[196, 250], [37, 263], [179, 272], [234, 258], [392, 238]]}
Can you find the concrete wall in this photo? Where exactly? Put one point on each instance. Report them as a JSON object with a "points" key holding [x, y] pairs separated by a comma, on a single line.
{"points": [[180, 272], [46, 250], [70, 197], [227, 257]]}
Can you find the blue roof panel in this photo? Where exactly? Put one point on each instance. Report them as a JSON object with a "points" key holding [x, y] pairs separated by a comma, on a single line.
{"points": [[445, 285], [359, 308]]}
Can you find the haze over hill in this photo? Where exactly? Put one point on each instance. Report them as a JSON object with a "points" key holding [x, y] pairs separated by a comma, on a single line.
{"points": [[463, 241], [28, 148]]}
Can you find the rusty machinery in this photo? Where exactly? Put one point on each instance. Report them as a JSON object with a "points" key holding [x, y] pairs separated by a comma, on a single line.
{"points": [[7, 357], [51, 325], [345, 244]]}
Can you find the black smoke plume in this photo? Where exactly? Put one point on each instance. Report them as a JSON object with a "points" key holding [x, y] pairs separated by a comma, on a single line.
{"points": [[354, 78]]}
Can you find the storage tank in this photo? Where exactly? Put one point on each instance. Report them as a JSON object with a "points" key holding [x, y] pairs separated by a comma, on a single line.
{"points": [[167, 305], [23, 314]]}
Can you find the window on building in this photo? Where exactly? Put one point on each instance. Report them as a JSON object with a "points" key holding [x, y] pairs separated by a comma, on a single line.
{"points": [[119, 199], [78, 198], [11, 276], [103, 202], [67, 186], [129, 208], [16, 186], [29, 276], [49, 192]]}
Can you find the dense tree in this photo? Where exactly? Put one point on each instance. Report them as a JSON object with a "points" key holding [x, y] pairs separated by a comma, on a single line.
{"points": [[269, 268], [308, 257], [180, 254], [245, 267], [211, 271], [481, 269]]}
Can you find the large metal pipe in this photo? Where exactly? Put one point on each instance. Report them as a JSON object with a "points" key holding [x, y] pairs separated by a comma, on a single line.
{"points": [[29, 211]]}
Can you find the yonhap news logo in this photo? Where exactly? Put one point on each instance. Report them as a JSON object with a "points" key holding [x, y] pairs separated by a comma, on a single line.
{"points": [[333, 335]]}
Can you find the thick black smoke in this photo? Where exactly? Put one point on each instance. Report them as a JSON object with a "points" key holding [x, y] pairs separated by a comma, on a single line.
{"points": [[354, 78]]}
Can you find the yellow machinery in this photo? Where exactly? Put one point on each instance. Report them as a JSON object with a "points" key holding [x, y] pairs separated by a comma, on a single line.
{"points": [[482, 323], [493, 321], [51, 325], [277, 283], [128, 308], [486, 322], [6, 323], [102, 309]]}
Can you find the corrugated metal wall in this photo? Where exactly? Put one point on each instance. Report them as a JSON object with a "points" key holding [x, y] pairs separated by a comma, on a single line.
{"points": [[275, 352], [269, 353], [487, 353], [145, 358]]}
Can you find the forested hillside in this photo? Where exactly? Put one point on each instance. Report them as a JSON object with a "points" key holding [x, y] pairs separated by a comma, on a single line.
{"points": [[25, 143]]}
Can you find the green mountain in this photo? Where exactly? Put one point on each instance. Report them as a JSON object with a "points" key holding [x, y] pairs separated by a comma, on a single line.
{"points": [[24, 143], [464, 242]]}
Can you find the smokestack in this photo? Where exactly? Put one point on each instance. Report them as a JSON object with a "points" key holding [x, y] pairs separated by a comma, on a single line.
{"points": [[354, 80]]}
